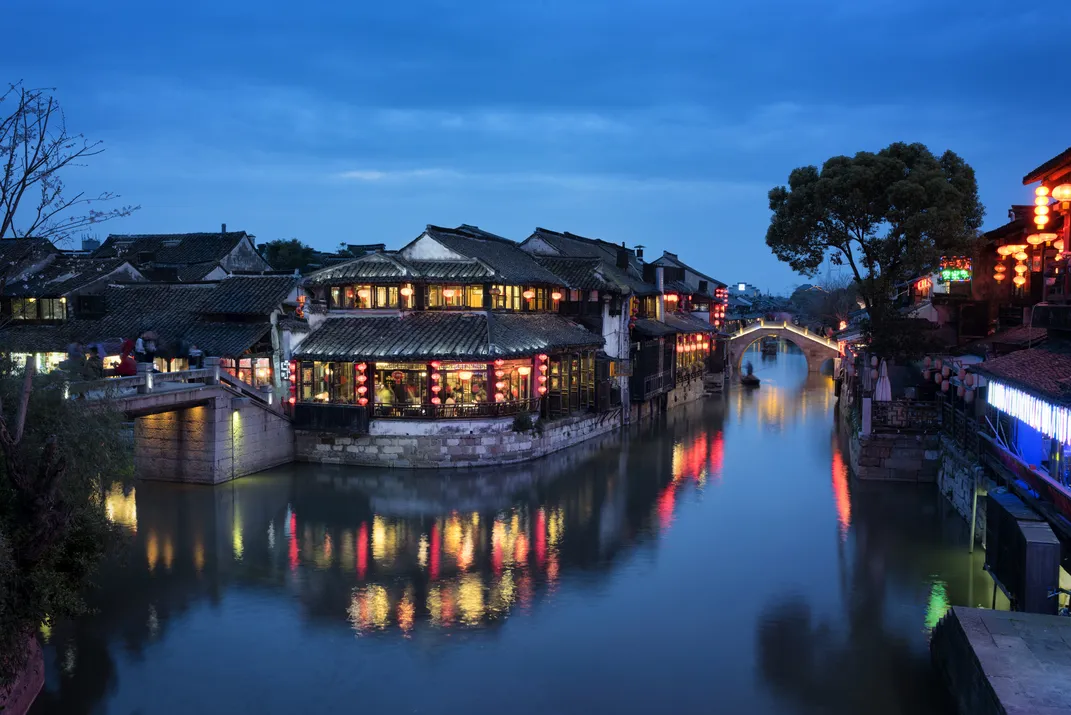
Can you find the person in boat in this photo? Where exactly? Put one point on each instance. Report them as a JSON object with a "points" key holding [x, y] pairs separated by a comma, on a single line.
{"points": [[749, 369]]}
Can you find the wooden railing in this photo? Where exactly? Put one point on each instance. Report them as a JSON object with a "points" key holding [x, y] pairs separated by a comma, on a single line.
{"points": [[438, 412], [961, 428]]}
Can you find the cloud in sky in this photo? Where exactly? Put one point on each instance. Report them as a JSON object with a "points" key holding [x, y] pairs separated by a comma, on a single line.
{"points": [[663, 123]]}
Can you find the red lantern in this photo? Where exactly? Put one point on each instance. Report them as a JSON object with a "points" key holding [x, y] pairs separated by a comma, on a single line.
{"points": [[436, 401], [362, 366], [362, 401]]}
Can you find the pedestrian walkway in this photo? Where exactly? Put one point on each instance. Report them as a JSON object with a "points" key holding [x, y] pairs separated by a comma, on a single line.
{"points": [[1005, 662]]}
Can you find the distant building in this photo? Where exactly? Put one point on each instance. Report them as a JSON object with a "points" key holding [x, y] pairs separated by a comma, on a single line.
{"points": [[745, 290]]}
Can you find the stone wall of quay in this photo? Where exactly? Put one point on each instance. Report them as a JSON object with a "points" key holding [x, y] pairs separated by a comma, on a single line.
{"points": [[465, 443], [957, 478], [211, 443], [899, 457], [682, 394]]}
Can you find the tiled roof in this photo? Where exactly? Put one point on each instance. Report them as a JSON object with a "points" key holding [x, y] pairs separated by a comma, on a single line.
{"points": [[579, 273], [668, 257], [652, 328], [447, 335], [166, 309], [392, 268], [1044, 371], [371, 267], [62, 275], [505, 257], [225, 338], [249, 295], [19, 254], [1051, 169], [196, 271], [688, 323], [38, 338], [568, 244], [172, 249], [1017, 337], [451, 270]]}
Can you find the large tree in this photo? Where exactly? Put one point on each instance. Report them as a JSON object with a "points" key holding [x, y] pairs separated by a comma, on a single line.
{"points": [[35, 149], [888, 216], [288, 255], [56, 455]]}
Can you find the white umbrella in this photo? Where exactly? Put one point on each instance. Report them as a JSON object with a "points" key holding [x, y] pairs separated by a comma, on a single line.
{"points": [[883, 390]]}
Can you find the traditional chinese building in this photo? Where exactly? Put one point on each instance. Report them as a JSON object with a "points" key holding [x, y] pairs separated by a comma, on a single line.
{"points": [[459, 323]]}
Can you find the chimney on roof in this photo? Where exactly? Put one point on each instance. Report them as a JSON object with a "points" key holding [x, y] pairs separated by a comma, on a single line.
{"points": [[622, 257], [223, 228], [639, 251]]}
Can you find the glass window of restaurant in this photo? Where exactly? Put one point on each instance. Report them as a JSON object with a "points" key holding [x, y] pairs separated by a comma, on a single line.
{"points": [[53, 309], [513, 380], [400, 384], [343, 297], [328, 382], [23, 309], [254, 371], [449, 296], [463, 383], [505, 297]]}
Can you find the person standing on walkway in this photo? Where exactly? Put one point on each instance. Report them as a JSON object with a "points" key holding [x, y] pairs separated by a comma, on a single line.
{"points": [[139, 349], [197, 357]]}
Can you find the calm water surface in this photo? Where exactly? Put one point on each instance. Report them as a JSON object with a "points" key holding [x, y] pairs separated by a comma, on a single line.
{"points": [[720, 561]]}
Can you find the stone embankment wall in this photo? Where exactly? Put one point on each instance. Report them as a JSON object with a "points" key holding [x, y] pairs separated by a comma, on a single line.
{"points": [[211, 443], [682, 394], [902, 457], [957, 479], [466, 443], [896, 457]]}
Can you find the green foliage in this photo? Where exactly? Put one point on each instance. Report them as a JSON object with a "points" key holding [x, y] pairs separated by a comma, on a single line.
{"points": [[889, 217], [288, 255], [53, 528], [523, 423]]}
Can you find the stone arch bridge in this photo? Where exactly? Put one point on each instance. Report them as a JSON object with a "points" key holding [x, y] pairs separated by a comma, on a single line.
{"points": [[817, 348]]}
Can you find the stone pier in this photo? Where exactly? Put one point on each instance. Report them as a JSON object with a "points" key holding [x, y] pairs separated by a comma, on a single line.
{"points": [[217, 440]]}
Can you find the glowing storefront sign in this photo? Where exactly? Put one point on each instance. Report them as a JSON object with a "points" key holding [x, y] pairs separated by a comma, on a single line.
{"points": [[1051, 420]]}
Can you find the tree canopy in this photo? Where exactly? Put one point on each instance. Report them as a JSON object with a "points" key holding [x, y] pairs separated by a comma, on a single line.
{"points": [[288, 254], [888, 216]]}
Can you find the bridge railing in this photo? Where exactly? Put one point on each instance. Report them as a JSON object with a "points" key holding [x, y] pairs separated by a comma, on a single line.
{"points": [[787, 327], [142, 383], [147, 381]]}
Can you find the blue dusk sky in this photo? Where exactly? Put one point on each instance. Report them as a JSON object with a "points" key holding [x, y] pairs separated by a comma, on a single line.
{"points": [[662, 123]]}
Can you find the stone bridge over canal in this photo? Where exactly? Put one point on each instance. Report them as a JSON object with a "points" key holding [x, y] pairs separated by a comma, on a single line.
{"points": [[817, 348], [197, 425]]}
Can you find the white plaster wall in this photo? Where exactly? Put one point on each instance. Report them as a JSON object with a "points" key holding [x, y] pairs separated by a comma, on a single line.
{"points": [[426, 248]]}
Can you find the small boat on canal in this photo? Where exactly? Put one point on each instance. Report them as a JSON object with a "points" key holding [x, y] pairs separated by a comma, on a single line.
{"points": [[748, 379]]}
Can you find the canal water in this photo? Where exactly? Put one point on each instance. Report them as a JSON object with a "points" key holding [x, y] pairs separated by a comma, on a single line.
{"points": [[721, 560]]}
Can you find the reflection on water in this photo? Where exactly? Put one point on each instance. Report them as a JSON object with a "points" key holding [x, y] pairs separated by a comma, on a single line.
{"points": [[720, 556]]}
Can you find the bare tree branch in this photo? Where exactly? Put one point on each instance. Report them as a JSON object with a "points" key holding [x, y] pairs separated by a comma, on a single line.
{"points": [[35, 147]]}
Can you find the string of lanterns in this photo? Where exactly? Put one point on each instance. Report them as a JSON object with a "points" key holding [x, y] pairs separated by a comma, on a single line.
{"points": [[941, 372]]}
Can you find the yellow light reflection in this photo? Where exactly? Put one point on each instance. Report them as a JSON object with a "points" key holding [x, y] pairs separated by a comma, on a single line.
{"points": [[152, 550], [121, 508], [369, 608], [422, 551], [452, 535], [236, 538], [406, 611], [470, 599], [198, 555], [169, 553]]}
